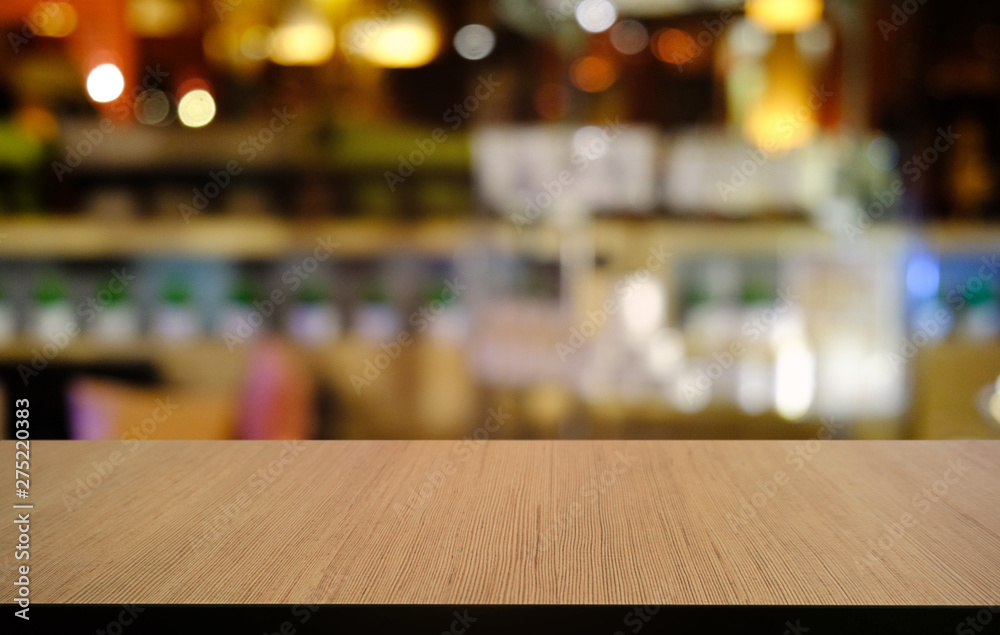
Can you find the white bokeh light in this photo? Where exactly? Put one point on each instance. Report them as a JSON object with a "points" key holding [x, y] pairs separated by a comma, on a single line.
{"points": [[152, 107], [629, 37], [105, 83], [196, 108], [596, 16], [643, 309], [474, 41]]}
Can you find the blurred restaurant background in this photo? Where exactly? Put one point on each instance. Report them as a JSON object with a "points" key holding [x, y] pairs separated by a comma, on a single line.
{"points": [[410, 219]]}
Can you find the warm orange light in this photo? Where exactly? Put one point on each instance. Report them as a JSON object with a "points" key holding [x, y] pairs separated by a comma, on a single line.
{"points": [[158, 18], [674, 46], [304, 39], [592, 74], [784, 16], [53, 19], [408, 40]]}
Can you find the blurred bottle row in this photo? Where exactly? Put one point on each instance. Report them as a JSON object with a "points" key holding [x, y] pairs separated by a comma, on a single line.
{"points": [[128, 305]]}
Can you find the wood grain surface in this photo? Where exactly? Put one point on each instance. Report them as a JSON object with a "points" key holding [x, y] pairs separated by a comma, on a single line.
{"points": [[689, 522]]}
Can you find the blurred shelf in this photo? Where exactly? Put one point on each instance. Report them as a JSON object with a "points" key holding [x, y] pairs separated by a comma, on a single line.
{"points": [[56, 237], [963, 237], [623, 240], [74, 238]]}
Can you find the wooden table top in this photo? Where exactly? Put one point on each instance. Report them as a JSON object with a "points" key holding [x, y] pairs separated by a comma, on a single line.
{"points": [[617, 522]]}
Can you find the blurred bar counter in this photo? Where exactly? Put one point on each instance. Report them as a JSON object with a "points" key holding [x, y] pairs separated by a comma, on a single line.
{"points": [[533, 342]]}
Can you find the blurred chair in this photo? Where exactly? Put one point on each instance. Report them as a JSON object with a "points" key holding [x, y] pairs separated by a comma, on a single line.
{"points": [[275, 401], [102, 409], [278, 394]]}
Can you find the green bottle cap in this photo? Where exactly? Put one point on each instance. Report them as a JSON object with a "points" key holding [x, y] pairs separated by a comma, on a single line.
{"points": [[175, 291], [374, 293], [244, 291], [312, 294], [756, 291], [116, 297], [438, 292], [50, 289], [984, 296]]}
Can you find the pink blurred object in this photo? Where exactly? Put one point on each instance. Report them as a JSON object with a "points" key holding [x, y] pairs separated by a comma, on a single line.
{"points": [[277, 399]]}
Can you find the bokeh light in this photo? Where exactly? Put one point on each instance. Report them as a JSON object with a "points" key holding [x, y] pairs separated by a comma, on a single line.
{"points": [[592, 74], [674, 46], [152, 107], [158, 18], [304, 39], [257, 43], [816, 41], [746, 39], [784, 16], [629, 37], [883, 153], [105, 83], [474, 41], [596, 16], [986, 41], [196, 108], [53, 19], [407, 41]]}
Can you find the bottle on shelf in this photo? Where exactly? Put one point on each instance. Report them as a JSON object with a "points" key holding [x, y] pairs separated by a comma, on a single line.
{"points": [[755, 367], [8, 321], [313, 319], [446, 315], [980, 319], [53, 315], [375, 319], [238, 317], [176, 317], [118, 319]]}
